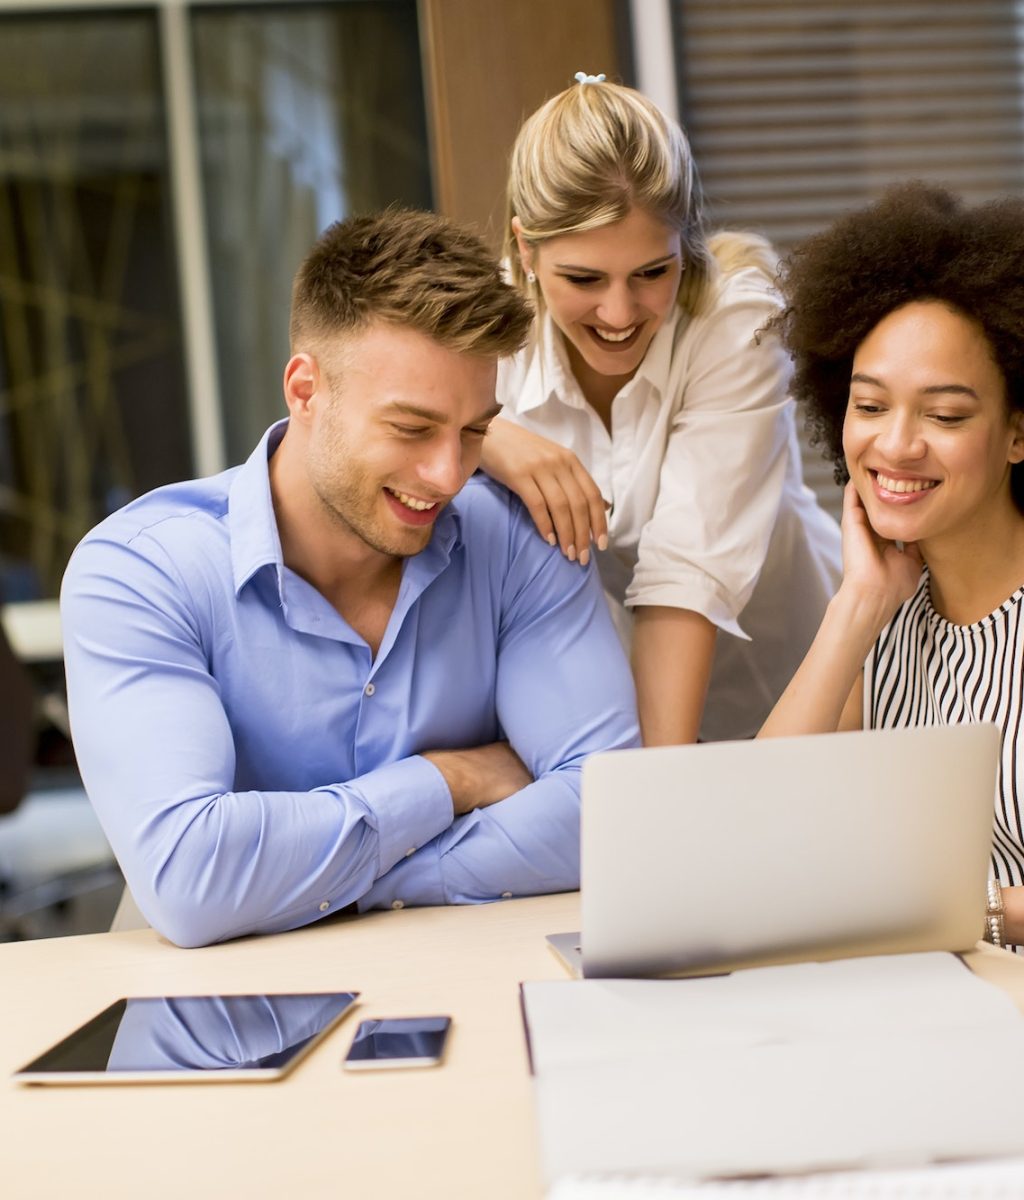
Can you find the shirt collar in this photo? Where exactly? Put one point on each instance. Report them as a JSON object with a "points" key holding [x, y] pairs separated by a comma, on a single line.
{"points": [[256, 543], [445, 539], [549, 376], [657, 361]]}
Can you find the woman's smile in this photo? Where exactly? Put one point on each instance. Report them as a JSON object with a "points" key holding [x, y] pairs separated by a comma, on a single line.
{"points": [[928, 435], [609, 290]]}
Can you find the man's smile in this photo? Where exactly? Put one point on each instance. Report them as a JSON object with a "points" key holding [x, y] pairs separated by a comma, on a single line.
{"points": [[411, 501], [410, 509]]}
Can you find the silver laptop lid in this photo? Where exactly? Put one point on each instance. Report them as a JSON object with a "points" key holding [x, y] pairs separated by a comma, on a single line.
{"points": [[704, 858]]}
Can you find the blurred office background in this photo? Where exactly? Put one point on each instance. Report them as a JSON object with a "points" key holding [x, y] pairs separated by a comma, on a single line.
{"points": [[165, 165]]}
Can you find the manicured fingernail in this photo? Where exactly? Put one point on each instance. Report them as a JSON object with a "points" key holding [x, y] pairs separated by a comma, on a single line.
{"points": [[602, 542], [570, 553], [551, 540], [584, 558]]}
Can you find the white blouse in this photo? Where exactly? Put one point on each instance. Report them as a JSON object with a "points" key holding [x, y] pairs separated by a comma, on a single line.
{"points": [[702, 471]]}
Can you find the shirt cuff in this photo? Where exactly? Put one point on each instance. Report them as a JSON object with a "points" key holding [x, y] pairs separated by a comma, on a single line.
{"points": [[418, 879], [692, 591], [415, 881], [410, 805]]}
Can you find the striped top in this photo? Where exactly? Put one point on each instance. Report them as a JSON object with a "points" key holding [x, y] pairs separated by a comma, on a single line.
{"points": [[924, 670]]}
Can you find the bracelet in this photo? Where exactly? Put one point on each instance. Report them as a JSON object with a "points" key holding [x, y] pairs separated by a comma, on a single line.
{"points": [[995, 914]]}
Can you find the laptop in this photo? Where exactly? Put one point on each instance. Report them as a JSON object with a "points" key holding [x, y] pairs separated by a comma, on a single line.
{"points": [[703, 859]]}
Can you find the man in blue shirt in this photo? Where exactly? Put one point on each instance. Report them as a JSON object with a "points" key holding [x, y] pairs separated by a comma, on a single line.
{"points": [[320, 678]]}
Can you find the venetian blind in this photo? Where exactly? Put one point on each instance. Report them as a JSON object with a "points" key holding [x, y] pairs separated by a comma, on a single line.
{"points": [[798, 111]]}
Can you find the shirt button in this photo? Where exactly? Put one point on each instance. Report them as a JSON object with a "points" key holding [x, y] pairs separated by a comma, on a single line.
{"points": [[369, 689], [325, 905], [397, 904], [410, 852], [506, 895]]}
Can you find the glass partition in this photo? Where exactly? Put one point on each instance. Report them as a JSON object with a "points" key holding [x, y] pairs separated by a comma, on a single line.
{"points": [[306, 113], [303, 113], [92, 398]]}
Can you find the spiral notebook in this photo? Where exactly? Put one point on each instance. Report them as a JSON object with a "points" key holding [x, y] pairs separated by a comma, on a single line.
{"points": [[960, 1181]]}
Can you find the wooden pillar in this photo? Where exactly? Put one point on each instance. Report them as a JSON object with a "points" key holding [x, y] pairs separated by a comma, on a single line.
{"points": [[490, 63]]}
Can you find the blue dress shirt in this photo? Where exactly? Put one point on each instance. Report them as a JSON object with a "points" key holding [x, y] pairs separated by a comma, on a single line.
{"points": [[255, 767]]}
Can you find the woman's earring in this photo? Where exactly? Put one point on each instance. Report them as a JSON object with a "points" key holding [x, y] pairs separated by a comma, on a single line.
{"points": [[531, 277]]}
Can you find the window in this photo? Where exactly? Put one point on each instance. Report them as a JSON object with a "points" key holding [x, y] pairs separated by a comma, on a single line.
{"points": [[92, 407], [298, 126], [163, 169]]}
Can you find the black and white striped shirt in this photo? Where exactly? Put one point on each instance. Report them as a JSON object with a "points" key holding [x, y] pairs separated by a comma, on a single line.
{"points": [[924, 670]]}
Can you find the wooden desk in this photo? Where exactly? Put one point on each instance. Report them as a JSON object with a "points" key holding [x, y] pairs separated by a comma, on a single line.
{"points": [[463, 1132]]}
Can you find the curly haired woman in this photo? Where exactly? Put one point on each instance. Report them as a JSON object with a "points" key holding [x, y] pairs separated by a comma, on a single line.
{"points": [[906, 324]]}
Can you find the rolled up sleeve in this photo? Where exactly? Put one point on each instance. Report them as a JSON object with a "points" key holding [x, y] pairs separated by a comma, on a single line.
{"points": [[724, 469]]}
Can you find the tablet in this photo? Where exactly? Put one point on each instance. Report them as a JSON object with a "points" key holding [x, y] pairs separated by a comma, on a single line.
{"points": [[190, 1039]]}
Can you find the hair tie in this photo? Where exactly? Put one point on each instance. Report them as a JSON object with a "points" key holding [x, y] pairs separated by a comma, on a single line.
{"points": [[582, 78]]}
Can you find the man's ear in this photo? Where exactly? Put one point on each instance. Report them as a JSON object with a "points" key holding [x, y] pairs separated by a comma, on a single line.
{"points": [[525, 249], [1016, 452], [301, 383]]}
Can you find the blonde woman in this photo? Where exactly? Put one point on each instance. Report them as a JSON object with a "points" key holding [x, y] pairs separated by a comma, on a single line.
{"points": [[649, 418]]}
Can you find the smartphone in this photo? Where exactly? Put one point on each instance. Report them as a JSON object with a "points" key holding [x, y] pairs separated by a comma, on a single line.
{"points": [[398, 1042]]}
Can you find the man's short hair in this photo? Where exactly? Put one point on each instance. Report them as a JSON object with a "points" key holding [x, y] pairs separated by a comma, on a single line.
{"points": [[411, 269]]}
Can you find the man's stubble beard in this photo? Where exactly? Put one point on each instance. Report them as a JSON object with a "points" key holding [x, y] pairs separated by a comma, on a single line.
{"points": [[351, 500]]}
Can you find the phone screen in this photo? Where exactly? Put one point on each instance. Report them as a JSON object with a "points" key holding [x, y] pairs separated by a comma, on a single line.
{"points": [[398, 1042]]}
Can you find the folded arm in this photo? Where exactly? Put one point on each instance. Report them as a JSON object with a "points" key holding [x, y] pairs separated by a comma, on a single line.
{"points": [[207, 860], [157, 754], [564, 691]]}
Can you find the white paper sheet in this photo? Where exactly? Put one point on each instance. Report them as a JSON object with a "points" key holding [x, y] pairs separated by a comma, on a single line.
{"points": [[879, 1062]]}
